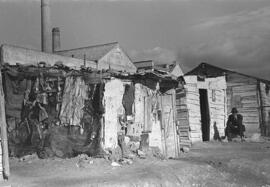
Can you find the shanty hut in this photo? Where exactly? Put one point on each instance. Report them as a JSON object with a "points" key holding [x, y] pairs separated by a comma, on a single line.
{"points": [[250, 95], [20, 70], [200, 104], [140, 117], [201, 109], [61, 106], [147, 102]]}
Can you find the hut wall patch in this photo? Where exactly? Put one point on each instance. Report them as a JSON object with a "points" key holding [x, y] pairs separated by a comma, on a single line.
{"points": [[113, 95], [75, 93]]}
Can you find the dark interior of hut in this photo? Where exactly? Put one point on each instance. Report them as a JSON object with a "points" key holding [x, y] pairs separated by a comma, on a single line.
{"points": [[34, 96]]}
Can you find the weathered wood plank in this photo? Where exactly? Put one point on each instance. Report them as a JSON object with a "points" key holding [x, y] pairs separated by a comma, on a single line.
{"points": [[4, 136]]}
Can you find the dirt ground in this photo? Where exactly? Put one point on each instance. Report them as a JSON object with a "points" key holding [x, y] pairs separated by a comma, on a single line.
{"points": [[207, 164]]}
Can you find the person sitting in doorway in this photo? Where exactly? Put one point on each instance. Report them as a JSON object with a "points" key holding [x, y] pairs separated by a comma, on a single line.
{"points": [[235, 125]]}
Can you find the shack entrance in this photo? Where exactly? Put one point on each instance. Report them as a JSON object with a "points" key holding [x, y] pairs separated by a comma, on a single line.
{"points": [[159, 123], [205, 117], [168, 126]]}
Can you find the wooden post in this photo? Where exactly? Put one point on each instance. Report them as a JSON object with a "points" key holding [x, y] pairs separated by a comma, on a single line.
{"points": [[261, 109], [177, 150], [96, 64], [4, 140], [84, 60], [163, 127]]}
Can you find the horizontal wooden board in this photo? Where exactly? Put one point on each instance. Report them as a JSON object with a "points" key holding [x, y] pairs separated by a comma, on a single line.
{"points": [[184, 133], [195, 134], [183, 122], [184, 138]]}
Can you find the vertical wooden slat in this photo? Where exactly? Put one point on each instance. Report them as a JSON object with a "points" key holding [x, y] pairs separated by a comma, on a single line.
{"points": [[177, 150], [168, 120], [261, 113], [4, 141], [163, 138]]}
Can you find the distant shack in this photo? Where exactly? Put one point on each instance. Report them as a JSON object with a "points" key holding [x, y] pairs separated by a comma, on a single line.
{"points": [[250, 95], [200, 104]]}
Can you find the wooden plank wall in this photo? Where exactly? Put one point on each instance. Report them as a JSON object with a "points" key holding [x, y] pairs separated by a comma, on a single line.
{"points": [[217, 107], [243, 94], [182, 118], [194, 113], [216, 89], [265, 94], [1, 164]]}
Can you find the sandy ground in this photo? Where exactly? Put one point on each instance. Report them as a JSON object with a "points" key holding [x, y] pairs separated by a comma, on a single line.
{"points": [[207, 164]]}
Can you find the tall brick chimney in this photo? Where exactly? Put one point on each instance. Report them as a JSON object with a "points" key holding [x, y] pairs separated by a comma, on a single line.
{"points": [[56, 42], [46, 39]]}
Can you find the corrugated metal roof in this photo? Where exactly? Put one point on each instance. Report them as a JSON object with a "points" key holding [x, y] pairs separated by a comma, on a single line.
{"points": [[92, 53]]}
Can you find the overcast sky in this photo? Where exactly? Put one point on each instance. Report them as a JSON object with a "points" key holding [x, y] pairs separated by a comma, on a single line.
{"points": [[233, 34]]}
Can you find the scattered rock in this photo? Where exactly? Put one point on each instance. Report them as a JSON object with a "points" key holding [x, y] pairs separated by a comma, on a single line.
{"points": [[115, 154], [256, 137], [156, 152], [115, 164], [237, 139], [84, 161], [58, 153], [225, 140], [129, 162], [83, 156], [186, 149], [141, 154], [131, 156], [28, 158], [126, 161], [133, 146]]}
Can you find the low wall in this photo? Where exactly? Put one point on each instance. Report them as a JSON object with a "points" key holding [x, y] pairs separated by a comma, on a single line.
{"points": [[18, 55]]}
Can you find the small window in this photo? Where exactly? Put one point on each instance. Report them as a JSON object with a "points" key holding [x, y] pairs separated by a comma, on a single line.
{"points": [[201, 78]]}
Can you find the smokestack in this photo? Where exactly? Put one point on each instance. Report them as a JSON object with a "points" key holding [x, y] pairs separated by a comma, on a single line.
{"points": [[56, 42], [46, 40]]}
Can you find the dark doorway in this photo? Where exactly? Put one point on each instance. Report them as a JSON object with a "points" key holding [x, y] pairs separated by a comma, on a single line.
{"points": [[205, 117]]}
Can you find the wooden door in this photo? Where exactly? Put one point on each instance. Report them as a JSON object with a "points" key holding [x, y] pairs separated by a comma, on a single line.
{"points": [[169, 138]]}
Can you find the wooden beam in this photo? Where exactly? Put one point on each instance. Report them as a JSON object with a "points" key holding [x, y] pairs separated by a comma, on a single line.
{"points": [[261, 109], [4, 139]]}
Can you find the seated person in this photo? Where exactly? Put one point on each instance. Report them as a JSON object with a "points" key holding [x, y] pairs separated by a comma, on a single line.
{"points": [[234, 125]]}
